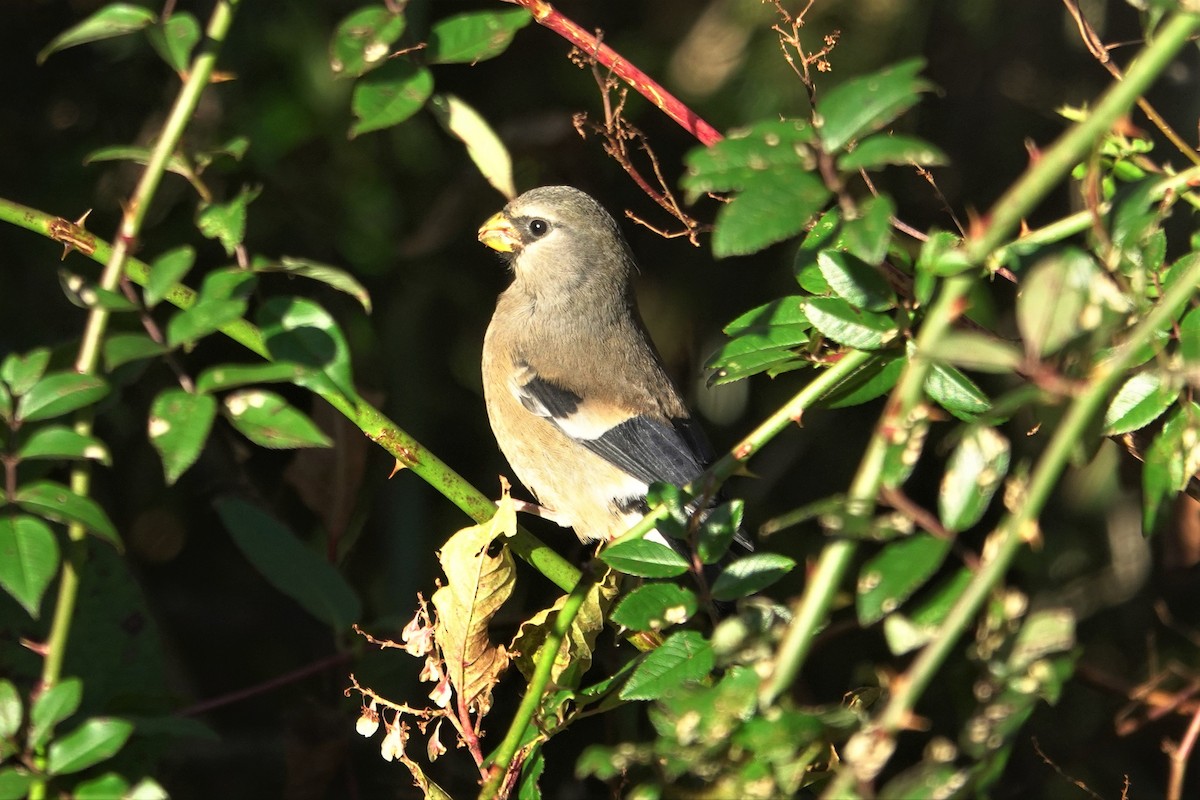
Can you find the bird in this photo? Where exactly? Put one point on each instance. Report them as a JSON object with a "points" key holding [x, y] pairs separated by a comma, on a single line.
{"points": [[576, 392]]}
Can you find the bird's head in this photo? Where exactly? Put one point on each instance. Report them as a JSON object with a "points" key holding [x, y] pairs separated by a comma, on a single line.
{"points": [[558, 238]]}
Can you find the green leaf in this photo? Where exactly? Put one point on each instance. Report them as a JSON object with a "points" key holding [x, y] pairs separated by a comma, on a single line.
{"points": [[890, 577], [741, 359], [655, 606], [855, 281], [115, 19], [61, 442], [52, 707], [873, 379], [178, 426], [474, 36], [867, 103], [1171, 460], [867, 237], [86, 294], [203, 318], [838, 321], [955, 392], [231, 376], [295, 570], [14, 784], [57, 503], [718, 529], [21, 372], [60, 393], [973, 474], [883, 149], [6, 404], [166, 272], [226, 222], [1143, 398], [751, 574], [300, 331], [644, 558], [907, 632], [123, 348], [268, 420], [685, 656], [363, 40], [1062, 296], [975, 351], [942, 255], [139, 155], [11, 711], [175, 39], [1189, 338], [926, 779], [484, 147], [785, 311], [333, 277], [766, 163], [97, 739], [105, 787], [389, 95]]}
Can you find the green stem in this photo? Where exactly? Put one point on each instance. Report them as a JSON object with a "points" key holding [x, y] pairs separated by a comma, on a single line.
{"points": [[543, 665], [1004, 217]]}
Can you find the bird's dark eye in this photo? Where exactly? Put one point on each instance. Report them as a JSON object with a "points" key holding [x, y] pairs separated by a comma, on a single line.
{"points": [[539, 227]]}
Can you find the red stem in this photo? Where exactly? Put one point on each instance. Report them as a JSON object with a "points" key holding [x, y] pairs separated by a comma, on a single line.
{"points": [[548, 16]]}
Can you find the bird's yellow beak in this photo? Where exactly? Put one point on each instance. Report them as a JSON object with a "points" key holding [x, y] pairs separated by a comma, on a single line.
{"points": [[499, 234]]}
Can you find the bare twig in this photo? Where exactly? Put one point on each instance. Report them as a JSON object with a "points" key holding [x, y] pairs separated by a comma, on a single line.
{"points": [[1179, 756]]}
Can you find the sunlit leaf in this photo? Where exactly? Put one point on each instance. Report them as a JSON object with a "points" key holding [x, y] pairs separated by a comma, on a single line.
{"points": [[61, 442], [389, 95], [858, 283], [484, 147], [57, 503], [644, 558], [1143, 398], [683, 657], [123, 348], [115, 19], [750, 574], [178, 426], [268, 420], [655, 606], [883, 149], [226, 222], [890, 577], [21, 372], [175, 39], [474, 36], [232, 376], [840, 322], [97, 739], [867, 103], [362, 41], [53, 706], [333, 277], [973, 473], [60, 393], [167, 271]]}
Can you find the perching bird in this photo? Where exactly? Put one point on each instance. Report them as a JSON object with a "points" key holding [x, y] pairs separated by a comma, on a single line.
{"points": [[576, 393]]}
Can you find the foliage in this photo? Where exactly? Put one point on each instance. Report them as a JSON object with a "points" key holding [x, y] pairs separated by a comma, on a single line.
{"points": [[925, 551]]}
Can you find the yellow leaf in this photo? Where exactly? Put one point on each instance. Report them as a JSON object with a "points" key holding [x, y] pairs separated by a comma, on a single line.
{"points": [[575, 655]]}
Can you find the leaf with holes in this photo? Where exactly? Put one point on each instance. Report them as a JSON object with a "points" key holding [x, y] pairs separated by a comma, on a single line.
{"points": [[974, 472], [178, 426], [363, 40], [267, 419], [890, 577]]}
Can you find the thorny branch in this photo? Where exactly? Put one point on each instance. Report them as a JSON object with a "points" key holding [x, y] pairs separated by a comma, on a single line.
{"points": [[617, 133]]}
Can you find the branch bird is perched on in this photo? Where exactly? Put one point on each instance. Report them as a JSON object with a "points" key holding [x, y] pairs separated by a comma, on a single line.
{"points": [[576, 393]]}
